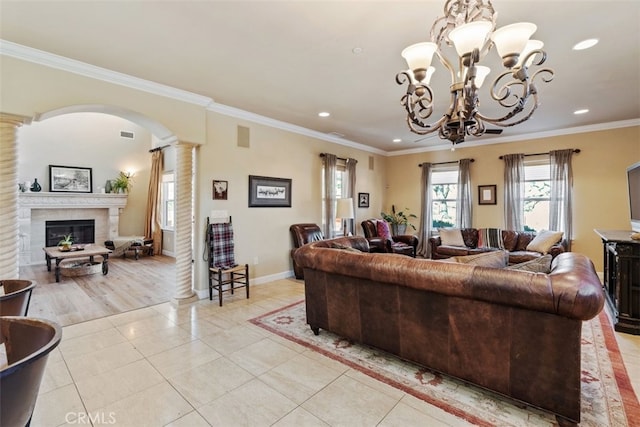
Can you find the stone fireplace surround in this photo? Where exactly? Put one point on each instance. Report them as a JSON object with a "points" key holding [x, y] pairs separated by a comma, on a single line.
{"points": [[37, 208]]}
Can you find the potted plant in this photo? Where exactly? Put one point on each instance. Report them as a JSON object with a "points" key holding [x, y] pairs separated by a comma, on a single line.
{"points": [[399, 220], [66, 242], [122, 184]]}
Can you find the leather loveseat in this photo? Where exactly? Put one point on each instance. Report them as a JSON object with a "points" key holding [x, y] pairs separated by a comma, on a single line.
{"points": [[515, 242], [516, 333]]}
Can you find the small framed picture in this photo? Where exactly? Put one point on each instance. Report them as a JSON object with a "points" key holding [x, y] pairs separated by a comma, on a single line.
{"points": [[220, 189], [486, 194], [363, 200]]}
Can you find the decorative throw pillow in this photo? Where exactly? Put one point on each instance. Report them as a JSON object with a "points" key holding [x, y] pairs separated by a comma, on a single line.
{"points": [[382, 227], [490, 238], [344, 247], [451, 237], [544, 240], [494, 259], [538, 265]]}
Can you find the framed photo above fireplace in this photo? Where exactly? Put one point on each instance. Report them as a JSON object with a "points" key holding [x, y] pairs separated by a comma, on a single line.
{"points": [[70, 179]]}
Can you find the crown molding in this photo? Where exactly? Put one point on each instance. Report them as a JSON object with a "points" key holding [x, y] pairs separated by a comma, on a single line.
{"points": [[524, 137], [47, 59], [256, 118], [51, 60]]}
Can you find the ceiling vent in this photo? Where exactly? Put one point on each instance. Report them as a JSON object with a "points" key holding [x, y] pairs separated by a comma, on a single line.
{"points": [[126, 134]]}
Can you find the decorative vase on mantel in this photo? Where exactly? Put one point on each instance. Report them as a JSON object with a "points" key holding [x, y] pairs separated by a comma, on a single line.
{"points": [[36, 186], [107, 187]]}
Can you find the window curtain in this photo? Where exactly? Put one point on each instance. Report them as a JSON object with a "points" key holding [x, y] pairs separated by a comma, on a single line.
{"points": [[152, 226], [561, 206], [351, 191], [513, 191], [464, 209], [426, 219], [329, 162]]}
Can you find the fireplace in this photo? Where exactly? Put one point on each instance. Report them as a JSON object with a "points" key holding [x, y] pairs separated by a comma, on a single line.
{"points": [[81, 230]]}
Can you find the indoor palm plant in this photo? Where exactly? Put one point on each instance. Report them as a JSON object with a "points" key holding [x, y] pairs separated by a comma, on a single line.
{"points": [[399, 220]]}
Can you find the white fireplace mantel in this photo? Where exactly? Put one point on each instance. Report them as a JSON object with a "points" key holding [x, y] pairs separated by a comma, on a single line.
{"points": [[42, 200], [34, 209]]}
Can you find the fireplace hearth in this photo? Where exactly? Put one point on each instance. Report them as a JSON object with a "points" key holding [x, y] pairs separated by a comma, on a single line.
{"points": [[81, 230]]}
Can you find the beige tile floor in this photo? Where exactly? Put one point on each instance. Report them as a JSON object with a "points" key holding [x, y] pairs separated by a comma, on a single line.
{"points": [[203, 365]]}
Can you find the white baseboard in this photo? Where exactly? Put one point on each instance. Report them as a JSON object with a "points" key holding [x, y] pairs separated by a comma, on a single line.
{"points": [[204, 293]]}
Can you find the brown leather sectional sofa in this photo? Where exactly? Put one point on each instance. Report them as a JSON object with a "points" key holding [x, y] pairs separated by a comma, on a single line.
{"points": [[515, 242], [513, 332]]}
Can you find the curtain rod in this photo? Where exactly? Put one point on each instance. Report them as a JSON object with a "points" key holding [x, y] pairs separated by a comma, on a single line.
{"points": [[446, 163], [577, 150], [339, 158], [158, 148]]}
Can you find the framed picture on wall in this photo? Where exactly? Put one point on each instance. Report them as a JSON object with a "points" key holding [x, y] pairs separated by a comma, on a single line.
{"points": [[486, 194], [363, 200], [269, 192], [220, 189], [70, 179]]}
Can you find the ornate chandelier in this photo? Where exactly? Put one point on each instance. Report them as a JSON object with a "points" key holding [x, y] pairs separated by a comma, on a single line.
{"points": [[469, 27]]}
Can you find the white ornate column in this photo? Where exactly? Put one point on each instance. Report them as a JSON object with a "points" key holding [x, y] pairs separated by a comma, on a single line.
{"points": [[184, 223], [9, 234]]}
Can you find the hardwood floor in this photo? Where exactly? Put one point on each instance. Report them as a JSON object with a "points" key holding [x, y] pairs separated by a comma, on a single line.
{"points": [[129, 285]]}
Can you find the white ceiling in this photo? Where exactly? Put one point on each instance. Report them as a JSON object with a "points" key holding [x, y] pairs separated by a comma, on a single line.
{"points": [[289, 60]]}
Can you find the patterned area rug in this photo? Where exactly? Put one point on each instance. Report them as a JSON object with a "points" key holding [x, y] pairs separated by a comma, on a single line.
{"points": [[607, 396]]}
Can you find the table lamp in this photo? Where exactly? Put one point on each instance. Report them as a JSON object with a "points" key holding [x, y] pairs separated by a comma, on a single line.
{"points": [[344, 210]]}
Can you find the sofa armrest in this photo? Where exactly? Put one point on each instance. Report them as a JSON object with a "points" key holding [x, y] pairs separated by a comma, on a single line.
{"points": [[557, 249], [377, 244], [407, 239]]}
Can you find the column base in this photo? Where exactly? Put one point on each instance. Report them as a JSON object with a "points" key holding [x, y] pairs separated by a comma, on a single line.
{"points": [[184, 301]]}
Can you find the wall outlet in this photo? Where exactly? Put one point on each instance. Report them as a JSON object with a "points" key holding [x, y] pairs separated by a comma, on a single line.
{"points": [[255, 260]]}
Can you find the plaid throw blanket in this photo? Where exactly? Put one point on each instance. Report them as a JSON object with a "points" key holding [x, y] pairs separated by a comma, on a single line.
{"points": [[221, 247], [490, 238]]}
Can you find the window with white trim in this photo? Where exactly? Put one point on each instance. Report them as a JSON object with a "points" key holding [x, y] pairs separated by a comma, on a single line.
{"points": [[444, 190], [167, 198], [537, 194]]}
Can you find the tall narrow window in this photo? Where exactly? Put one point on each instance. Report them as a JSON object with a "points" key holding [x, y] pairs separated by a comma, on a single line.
{"points": [[537, 194], [444, 191], [168, 200]]}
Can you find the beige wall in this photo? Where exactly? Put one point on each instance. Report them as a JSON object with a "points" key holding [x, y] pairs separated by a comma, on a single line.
{"points": [[262, 234], [600, 188]]}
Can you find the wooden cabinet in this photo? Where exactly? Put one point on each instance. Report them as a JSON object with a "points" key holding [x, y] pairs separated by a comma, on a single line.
{"points": [[622, 278]]}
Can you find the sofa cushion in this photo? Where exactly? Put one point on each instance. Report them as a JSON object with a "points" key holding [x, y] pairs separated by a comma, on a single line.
{"points": [[524, 238], [544, 240], [451, 237], [495, 259], [490, 238], [538, 265], [517, 257], [453, 250], [344, 247], [509, 239], [382, 227]]}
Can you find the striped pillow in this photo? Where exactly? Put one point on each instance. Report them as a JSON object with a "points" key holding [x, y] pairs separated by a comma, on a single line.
{"points": [[490, 238]]}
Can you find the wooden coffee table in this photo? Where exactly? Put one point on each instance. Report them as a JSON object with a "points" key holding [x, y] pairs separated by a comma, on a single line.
{"points": [[84, 251]]}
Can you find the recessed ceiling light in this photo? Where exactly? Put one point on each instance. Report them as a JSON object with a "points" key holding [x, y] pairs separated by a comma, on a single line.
{"points": [[324, 114], [357, 50], [585, 44], [397, 140], [583, 111]]}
